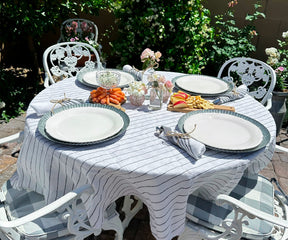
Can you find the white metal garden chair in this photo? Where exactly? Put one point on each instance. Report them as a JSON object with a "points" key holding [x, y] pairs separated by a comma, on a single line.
{"points": [[62, 60], [24, 215], [84, 28], [251, 211], [259, 77]]}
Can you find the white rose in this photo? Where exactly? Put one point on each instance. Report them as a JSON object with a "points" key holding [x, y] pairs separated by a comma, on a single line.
{"points": [[285, 34], [272, 61]]}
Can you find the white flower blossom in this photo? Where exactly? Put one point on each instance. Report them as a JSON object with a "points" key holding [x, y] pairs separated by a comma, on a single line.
{"points": [[136, 88], [272, 52], [285, 34], [272, 61]]}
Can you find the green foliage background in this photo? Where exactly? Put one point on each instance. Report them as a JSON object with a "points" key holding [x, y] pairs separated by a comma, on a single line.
{"points": [[180, 30]]}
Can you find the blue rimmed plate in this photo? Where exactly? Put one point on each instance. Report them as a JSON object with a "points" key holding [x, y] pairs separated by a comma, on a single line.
{"points": [[225, 130], [89, 78], [202, 85], [83, 124]]}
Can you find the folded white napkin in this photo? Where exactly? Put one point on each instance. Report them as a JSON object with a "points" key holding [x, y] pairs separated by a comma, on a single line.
{"points": [[133, 71], [238, 93], [194, 148], [43, 107]]}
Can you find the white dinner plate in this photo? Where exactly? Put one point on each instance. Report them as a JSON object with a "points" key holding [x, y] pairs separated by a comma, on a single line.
{"points": [[223, 131], [84, 124], [202, 84], [89, 78]]}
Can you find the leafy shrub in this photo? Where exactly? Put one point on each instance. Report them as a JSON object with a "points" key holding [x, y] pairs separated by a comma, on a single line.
{"points": [[230, 40], [178, 29], [16, 92]]}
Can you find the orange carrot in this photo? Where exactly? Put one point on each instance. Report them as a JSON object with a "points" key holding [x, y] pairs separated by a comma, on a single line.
{"points": [[103, 100], [112, 100], [116, 89], [115, 97], [107, 99], [120, 94]]}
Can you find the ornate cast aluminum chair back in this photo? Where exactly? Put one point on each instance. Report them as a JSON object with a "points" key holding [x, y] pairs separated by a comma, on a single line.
{"points": [[79, 27], [69, 59], [258, 76]]}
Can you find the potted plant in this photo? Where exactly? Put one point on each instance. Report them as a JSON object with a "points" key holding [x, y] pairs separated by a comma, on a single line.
{"points": [[277, 59]]}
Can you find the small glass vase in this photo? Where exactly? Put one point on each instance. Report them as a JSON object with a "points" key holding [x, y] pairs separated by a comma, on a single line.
{"points": [[156, 99], [166, 96], [137, 100]]}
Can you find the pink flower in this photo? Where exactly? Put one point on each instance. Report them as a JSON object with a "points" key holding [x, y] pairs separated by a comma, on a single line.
{"points": [[161, 79], [253, 33], [157, 56], [168, 84], [72, 39], [232, 3], [281, 69], [84, 26], [74, 25], [147, 53]]}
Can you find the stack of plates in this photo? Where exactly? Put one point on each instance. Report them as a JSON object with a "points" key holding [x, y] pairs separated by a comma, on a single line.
{"points": [[83, 124], [225, 131], [89, 78], [202, 85]]}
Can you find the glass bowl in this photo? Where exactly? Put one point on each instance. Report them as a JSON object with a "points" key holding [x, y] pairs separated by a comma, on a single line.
{"points": [[108, 79]]}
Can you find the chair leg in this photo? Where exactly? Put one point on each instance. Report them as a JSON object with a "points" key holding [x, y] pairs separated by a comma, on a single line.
{"points": [[130, 211], [114, 223]]}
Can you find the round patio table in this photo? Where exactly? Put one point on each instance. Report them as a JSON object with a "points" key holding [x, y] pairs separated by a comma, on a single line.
{"points": [[136, 163]]}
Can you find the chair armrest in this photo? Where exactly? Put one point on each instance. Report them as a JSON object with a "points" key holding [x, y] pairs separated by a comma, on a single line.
{"points": [[47, 209], [250, 211], [46, 80], [268, 104], [17, 136]]}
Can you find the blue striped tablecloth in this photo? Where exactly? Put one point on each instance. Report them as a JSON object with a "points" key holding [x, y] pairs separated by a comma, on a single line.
{"points": [[138, 163]]}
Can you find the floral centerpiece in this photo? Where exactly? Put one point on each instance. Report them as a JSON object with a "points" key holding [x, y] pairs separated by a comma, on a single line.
{"points": [[277, 59], [137, 91], [150, 59], [160, 88]]}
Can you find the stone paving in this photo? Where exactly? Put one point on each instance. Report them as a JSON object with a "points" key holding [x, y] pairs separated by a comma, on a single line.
{"points": [[139, 228]]}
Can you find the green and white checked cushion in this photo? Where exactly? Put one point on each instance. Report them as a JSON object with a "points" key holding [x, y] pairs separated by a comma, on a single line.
{"points": [[255, 191], [20, 203]]}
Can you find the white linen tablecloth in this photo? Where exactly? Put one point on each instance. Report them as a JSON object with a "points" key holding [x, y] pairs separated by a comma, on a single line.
{"points": [[136, 163]]}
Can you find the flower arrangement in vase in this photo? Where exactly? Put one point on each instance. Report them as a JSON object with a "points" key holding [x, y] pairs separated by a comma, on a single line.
{"points": [[137, 91], [160, 88]]}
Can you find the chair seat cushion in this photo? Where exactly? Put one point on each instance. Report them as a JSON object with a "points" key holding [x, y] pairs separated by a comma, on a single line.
{"points": [[255, 191], [20, 203]]}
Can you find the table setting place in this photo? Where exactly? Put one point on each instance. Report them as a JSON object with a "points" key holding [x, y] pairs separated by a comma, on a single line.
{"points": [[207, 122]]}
